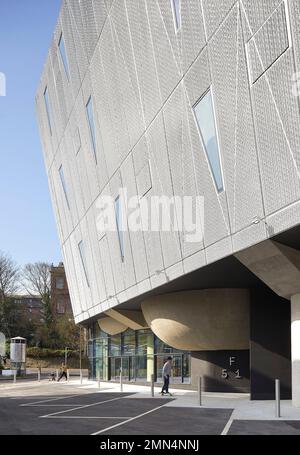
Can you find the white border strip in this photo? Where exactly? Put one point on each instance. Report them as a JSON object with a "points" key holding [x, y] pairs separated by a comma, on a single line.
{"points": [[129, 420], [82, 407]]}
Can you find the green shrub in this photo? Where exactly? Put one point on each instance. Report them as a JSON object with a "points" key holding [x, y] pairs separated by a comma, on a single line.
{"points": [[45, 352]]}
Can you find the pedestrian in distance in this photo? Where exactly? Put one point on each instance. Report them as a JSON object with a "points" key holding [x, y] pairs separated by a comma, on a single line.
{"points": [[166, 373], [52, 376], [63, 372]]}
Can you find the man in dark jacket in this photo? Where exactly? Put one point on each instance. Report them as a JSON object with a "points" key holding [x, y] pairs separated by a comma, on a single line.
{"points": [[166, 373]]}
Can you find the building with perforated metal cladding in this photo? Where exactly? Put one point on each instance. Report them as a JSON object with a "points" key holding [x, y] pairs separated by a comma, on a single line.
{"points": [[196, 100]]}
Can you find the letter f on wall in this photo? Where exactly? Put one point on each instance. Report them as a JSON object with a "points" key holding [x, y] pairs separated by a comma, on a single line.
{"points": [[2, 84]]}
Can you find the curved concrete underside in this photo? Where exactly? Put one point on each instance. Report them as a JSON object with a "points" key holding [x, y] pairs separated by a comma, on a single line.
{"points": [[210, 319], [111, 326]]}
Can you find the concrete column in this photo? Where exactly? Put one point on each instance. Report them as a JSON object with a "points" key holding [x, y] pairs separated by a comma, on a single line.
{"points": [[295, 342], [105, 363], [150, 356]]}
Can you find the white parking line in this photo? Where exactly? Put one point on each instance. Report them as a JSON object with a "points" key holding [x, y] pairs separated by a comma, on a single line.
{"points": [[56, 399], [52, 405], [82, 407], [88, 417], [129, 420], [227, 427]]}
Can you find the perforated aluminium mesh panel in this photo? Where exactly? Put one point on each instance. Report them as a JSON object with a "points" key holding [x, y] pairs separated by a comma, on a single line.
{"points": [[221, 248], [168, 69], [162, 186], [71, 50], [268, 44], [277, 115], [255, 13], [71, 278], [136, 238], [89, 26], [181, 157], [247, 203], [114, 91], [198, 80], [55, 205], [107, 267], [167, 17], [83, 288], [294, 16], [235, 123], [215, 11], [100, 14], [223, 61], [61, 97], [194, 261], [249, 236], [192, 33], [44, 128], [78, 36], [87, 144], [106, 149], [108, 4], [140, 155], [144, 57], [130, 98], [131, 64], [128, 264], [143, 180]]}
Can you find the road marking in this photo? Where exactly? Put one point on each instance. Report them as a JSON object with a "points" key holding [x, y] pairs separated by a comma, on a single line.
{"points": [[227, 427], [56, 399], [51, 405], [88, 417], [129, 420], [82, 407], [53, 399], [34, 396]]}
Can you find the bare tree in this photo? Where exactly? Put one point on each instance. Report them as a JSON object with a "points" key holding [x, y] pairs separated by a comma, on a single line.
{"points": [[9, 276], [9, 284], [36, 279]]}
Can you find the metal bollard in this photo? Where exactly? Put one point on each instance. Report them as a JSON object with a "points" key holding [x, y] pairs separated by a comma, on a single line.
{"points": [[80, 376], [121, 380], [39, 376], [57, 375], [152, 385], [277, 397], [68, 376], [15, 376], [98, 379], [200, 391]]}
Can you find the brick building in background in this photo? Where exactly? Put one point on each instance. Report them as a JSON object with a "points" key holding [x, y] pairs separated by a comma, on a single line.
{"points": [[30, 307], [60, 298]]}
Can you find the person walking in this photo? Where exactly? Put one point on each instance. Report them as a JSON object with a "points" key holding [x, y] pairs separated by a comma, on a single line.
{"points": [[166, 373], [63, 372]]}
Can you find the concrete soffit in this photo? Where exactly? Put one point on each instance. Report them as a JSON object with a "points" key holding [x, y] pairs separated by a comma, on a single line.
{"points": [[131, 318], [277, 265]]}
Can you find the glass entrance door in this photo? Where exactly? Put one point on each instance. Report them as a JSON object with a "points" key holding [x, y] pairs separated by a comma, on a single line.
{"points": [[180, 371], [127, 363]]}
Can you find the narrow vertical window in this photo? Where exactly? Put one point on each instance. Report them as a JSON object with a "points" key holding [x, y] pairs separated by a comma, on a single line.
{"points": [[83, 261], [63, 54], [176, 13], [205, 117], [118, 211], [63, 183], [48, 109], [90, 115]]}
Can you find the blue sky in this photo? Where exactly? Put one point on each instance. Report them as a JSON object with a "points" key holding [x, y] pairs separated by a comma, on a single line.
{"points": [[27, 228]]}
